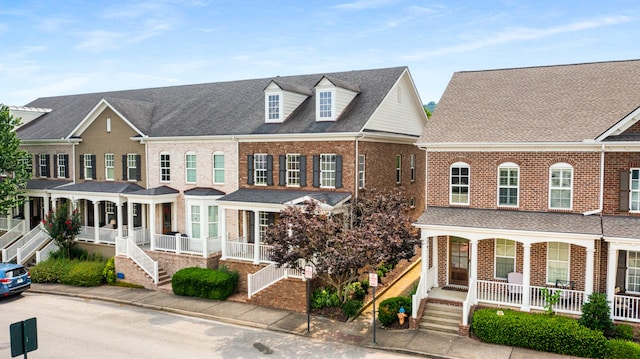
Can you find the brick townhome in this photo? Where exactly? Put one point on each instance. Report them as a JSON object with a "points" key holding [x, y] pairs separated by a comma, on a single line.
{"points": [[191, 174], [535, 171]]}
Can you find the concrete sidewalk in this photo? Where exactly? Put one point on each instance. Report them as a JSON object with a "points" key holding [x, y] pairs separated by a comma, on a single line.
{"points": [[358, 332]]}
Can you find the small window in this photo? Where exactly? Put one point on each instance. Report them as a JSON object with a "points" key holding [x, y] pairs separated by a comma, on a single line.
{"points": [[560, 186], [505, 255], [361, 171], [62, 165], [260, 169], [273, 107], [327, 170], [325, 105], [398, 168], [293, 170], [108, 124], [218, 167], [459, 190], [132, 167], [44, 165], [165, 167], [109, 167], [88, 166], [413, 168], [557, 262], [508, 184], [190, 167]]}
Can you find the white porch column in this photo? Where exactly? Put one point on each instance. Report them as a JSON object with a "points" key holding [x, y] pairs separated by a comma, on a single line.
{"points": [[120, 222], [424, 267], [245, 225], [588, 275], [130, 219], [612, 260], [174, 216], [96, 221], [222, 230], [436, 270], [27, 214], [152, 226], [204, 228], [526, 277], [256, 236], [474, 259]]}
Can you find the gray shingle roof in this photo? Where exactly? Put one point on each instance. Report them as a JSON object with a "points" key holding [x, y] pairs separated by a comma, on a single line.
{"points": [[537, 104], [38, 183], [552, 222], [156, 191], [621, 227], [282, 196], [223, 108], [101, 187], [203, 191]]}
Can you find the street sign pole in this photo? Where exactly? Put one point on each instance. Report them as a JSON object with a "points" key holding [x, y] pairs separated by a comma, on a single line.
{"points": [[373, 283], [308, 275], [23, 337]]}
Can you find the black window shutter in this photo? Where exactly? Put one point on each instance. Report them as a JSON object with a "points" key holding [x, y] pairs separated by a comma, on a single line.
{"points": [[81, 169], [316, 171], [66, 166], [47, 165], [269, 170], [250, 169], [282, 171], [138, 169], [56, 174], [36, 160], [338, 171], [623, 204], [303, 171], [124, 168], [94, 165]]}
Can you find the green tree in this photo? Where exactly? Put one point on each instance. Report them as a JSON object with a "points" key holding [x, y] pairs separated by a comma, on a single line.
{"points": [[14, 163], [63, 227]]}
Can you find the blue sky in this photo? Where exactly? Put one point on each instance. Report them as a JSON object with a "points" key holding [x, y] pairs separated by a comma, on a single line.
{"points": [[52, 48]]}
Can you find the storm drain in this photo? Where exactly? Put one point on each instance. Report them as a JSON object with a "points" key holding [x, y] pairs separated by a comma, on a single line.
{"points": [[262, 348]]}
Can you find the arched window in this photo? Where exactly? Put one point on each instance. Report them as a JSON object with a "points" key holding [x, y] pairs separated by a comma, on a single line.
{"points": [[560, 186], [508, 184]]}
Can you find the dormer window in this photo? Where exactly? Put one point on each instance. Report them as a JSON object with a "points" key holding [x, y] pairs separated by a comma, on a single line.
{"points": [[281, 99], [325, 105], [274, 104]]}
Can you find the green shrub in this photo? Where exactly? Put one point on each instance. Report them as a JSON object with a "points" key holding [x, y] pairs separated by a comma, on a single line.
{"points": [[556, 334], [351, 307], [324, 297], [389, 308], [596, 313], [51, 271], [624, 332], [109, 272], [85, 274], [355, 291], [204, 283], [623, 349]]}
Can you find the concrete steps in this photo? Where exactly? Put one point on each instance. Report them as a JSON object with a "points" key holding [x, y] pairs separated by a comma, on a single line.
{"points": [[441, 317], [163, 277]]}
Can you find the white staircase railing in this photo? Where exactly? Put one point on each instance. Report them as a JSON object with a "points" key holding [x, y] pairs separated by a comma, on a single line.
{"points": [[43, 254], [29, 248], [469, 302], [268, 276], [127, 247], [7, 222], [12, 234], [10, 252]]}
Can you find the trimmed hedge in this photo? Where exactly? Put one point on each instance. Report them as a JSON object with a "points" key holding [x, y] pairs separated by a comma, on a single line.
{"points": [[389, 308], [623, 349], [549, 333], [204, 283], [71, 272], [85, 274]]}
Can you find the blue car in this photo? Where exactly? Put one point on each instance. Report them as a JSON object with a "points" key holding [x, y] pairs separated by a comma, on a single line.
{"points": [[14, 279]]}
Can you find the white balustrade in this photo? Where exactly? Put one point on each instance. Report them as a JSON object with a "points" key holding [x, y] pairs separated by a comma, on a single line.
{"points": [[127, 247], [29, 248], [44, 254], [269, 275], [626, 308]]}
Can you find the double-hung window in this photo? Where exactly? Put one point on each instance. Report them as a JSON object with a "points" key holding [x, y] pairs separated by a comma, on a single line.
{"points": [[413, 168], [195, 221], [508, 184], [634, 190], [109, 167], [260, 169], [560, 186], [327, 170], [557, 262], [44, 165], [459, 183], [218, 167], [505, 255], [273, 109], [132, 167], [212, 219], [88, 166], [293, 170], [325, 105], [165, 167], [633, 271], [62, 165], [190, 167], [398, 168]]}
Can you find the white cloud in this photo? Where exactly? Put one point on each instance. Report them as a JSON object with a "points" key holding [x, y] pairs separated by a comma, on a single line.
{"points": [[100, 40], [364, 4]]}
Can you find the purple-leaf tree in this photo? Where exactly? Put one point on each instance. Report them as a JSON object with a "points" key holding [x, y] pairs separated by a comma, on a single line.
{"points": [[340, 248]]}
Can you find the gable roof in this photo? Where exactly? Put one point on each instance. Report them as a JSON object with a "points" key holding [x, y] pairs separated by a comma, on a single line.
{"points": [[223, 108], [565, 103]]}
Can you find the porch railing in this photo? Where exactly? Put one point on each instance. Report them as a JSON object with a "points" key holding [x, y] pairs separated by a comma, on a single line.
{"points": [[7, 222], [626, 308], [183, 244], [510, 294], [29, 248], [128, 248], [424, 285], [43, 254], [12, 234], [238, 249], [268, 276], [10, 252], [469, 301]]}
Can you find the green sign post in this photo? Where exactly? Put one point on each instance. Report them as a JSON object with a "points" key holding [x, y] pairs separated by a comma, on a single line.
{"points": [[24, 337]]}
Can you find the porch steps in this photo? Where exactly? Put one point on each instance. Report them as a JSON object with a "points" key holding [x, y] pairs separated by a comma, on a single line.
{"points": [[441, 317], [163, 278]]}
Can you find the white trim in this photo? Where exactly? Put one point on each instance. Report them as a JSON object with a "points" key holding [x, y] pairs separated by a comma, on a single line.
{"points": [[93, 115], [621, 126]]}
